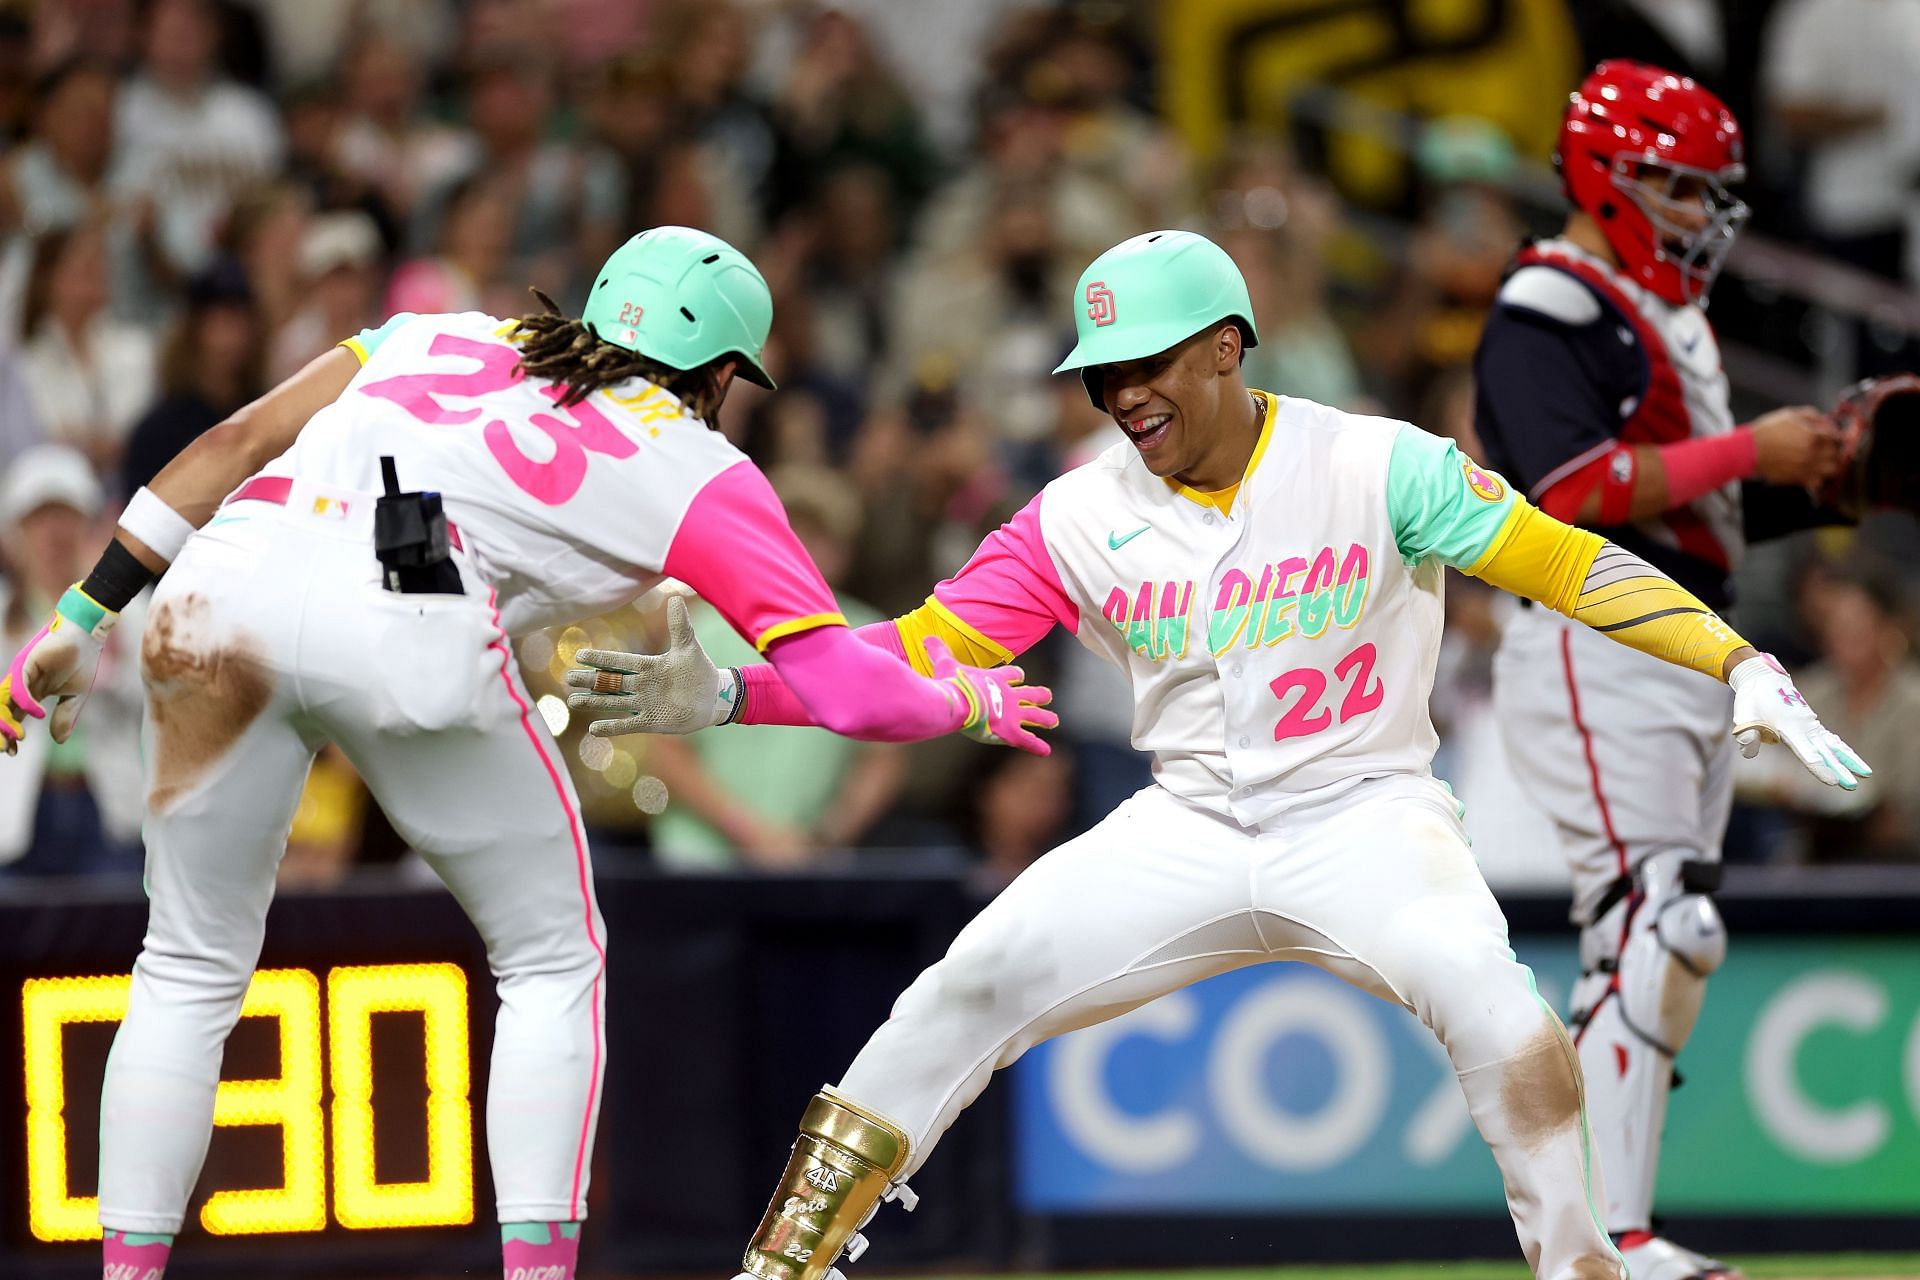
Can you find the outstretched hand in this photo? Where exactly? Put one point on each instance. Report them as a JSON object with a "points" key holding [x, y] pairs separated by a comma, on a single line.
{"points": [[1000, 707], [57, 666], [678, 691], [1767, 708]]}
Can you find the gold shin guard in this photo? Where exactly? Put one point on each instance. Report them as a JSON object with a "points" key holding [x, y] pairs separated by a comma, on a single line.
{"points": [[843, 1164]]}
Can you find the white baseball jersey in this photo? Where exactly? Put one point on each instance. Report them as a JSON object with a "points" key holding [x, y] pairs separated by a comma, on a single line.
{"points": [[1278, 643], [271, 632], [567, 512]]}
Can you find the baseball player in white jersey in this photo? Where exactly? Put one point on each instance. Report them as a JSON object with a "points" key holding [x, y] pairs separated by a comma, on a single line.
{"points": [[573, 469], [1267, 572], [1600, 393]]}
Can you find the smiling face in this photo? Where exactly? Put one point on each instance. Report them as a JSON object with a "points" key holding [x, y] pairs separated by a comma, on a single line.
{"points": [[1186, 409]]}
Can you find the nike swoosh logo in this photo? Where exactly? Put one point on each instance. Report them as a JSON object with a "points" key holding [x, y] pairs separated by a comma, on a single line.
{"points": [[1114, 543], [1690, 345]]}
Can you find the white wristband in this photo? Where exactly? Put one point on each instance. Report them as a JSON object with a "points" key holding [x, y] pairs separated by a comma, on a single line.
{"points": [[164, 530]]}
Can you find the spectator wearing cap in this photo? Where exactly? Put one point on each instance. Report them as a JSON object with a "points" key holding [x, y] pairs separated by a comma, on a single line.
{"points": [[210, 364], [339, 262], [90, 374], [70, 807]]}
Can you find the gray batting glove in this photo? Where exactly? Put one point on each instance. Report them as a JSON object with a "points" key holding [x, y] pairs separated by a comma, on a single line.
{"points": [[679, 691], [1767, 708]]}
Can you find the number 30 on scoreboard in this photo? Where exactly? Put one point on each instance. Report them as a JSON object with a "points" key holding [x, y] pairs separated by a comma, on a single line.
{"points": [[292, 1102]]}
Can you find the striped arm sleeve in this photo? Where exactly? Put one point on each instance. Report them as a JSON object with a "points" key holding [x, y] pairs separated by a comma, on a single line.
{"points": [[1628, 600], [1590, 580]]}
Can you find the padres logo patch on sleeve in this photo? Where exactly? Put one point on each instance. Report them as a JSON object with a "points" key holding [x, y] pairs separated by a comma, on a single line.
{"points": [[1485, 485]]}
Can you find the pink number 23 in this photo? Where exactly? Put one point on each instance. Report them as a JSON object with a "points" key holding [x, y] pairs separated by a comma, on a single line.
{"points": [[584, 430], [1306, 716]]}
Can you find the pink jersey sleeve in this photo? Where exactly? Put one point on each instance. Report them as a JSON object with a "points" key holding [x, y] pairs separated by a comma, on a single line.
{"points": [[1010, 593], [838, 680], [735, 548]]}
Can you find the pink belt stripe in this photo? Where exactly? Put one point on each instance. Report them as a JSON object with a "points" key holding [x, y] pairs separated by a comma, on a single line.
{"points": [[278, 489]]}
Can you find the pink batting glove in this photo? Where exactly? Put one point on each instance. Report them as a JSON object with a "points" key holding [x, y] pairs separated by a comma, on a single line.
{"points": [[999, 706]]}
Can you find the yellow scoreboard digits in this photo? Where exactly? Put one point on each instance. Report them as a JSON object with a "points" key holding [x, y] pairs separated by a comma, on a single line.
{"points": [[47, 1005], [292, 998], [292, 1101], [439, 993]]}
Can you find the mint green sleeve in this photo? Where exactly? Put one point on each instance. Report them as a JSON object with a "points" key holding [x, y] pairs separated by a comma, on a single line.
{"points": [[1441, 502], [367, 341]]}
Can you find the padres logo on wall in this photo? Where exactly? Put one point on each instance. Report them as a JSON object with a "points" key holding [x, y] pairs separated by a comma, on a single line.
{"points": [[1249, 63]]}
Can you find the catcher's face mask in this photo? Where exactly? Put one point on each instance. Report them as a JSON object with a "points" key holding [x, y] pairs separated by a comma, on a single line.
{"points": [[1691, 215]]}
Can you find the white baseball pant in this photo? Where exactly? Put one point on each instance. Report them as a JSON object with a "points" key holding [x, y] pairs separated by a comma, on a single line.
{"points": [[268, 637], [1376, 886], [1632, 758]]}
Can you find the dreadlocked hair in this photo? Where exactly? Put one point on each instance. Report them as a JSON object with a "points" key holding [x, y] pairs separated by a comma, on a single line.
{"points": [[568, 352]]}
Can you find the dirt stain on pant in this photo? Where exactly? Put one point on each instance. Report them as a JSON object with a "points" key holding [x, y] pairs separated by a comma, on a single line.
{"points": [[204, 687], [1597, 1267], [1541, 1091]]}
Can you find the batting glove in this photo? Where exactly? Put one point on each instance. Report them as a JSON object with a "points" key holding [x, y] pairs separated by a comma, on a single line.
{"points": [[999, 706], [56, 666], [679, 691], [1767, 708]]}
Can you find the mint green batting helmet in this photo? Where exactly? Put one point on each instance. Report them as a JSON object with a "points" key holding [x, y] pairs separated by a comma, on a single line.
{"points": [[1149, 293], [683, 297]]}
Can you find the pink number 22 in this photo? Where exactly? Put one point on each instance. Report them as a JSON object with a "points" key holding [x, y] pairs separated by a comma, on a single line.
{"points": [[1299, 720], [585, 429]]}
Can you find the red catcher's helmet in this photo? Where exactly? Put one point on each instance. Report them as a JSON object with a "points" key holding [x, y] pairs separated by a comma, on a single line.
{"points": [[1649, 155]]}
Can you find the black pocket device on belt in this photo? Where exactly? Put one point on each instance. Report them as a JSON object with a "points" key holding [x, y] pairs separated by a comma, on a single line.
{"points": [[410, 541]]}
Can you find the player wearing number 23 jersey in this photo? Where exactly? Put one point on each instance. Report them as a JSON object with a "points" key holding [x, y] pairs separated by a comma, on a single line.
{"points": [[1267, 573], [571, 468]]}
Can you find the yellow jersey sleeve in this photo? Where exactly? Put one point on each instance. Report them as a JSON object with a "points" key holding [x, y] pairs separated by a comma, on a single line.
{"points": [[935, 619], [1592, 581]]}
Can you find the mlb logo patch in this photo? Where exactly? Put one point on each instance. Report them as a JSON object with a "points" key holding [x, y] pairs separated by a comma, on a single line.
{"points": [[334, 508]]}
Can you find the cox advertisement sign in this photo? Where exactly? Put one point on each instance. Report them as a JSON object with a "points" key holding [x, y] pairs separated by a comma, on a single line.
{"points": [[1278, 1087]]}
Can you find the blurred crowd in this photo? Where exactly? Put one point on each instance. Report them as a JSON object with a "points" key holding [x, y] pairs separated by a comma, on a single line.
{"points": [[198, 196]]}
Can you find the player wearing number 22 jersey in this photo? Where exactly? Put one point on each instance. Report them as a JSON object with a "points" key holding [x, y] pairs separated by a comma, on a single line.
{"points": [[1267, 572], [575, 467]]}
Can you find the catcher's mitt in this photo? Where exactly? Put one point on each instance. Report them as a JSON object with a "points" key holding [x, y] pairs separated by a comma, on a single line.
{"points": [[1879, 424]]}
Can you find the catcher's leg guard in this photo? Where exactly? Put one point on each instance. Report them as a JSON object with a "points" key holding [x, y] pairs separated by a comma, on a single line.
{"points": [[1646, 957], [843, 1165]]}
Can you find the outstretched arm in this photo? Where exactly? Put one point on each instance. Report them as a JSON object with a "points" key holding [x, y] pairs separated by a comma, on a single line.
{"points": [[825, 676], [1002, 602], [57, 665], [1445, 506]]}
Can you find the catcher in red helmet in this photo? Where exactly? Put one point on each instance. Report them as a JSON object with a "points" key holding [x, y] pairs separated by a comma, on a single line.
{"points": [[1600, 391]]}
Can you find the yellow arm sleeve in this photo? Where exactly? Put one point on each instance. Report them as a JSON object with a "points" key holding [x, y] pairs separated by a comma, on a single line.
{"points": [[1587, 578], [1535, 556], [935, 619]]}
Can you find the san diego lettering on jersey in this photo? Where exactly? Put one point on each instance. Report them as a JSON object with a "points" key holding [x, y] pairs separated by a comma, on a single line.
{"points": [[1252, 608]]}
